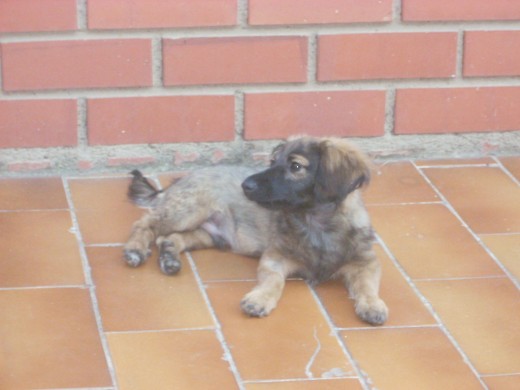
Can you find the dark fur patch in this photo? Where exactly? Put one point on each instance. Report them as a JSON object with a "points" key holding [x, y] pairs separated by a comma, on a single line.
{"points": [[141, 191]]}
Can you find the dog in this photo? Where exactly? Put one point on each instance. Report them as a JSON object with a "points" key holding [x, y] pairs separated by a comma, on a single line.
{"points": [[303, 216]]}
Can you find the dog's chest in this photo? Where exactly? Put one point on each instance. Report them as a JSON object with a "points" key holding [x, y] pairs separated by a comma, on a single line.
{"points": [[321, 248]]}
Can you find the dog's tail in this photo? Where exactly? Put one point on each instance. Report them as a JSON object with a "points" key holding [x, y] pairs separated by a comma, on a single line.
{"points": [[141, 191]]}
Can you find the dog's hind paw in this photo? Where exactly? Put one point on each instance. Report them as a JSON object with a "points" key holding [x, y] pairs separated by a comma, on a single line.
{"points": [[170, 265], [134, 258]]}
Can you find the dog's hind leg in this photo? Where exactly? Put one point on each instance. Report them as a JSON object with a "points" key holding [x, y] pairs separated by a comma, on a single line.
{"points": [[362, 278], [137, 248], [272, 272], [170, 248]]}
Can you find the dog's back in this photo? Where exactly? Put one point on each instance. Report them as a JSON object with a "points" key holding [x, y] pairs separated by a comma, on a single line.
{"points": [[210, 198]]}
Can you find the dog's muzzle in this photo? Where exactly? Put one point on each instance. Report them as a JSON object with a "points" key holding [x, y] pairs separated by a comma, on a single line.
{"points": [[249, 186]]}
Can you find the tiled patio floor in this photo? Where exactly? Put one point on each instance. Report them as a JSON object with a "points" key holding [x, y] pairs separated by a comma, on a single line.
{"points": [[72, 315]]}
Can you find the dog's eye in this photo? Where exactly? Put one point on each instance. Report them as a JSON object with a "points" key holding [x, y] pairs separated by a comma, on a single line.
{"points": [[295, 167]]}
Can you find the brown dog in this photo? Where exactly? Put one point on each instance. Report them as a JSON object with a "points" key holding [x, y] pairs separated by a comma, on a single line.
{"points": [[302, 216]]}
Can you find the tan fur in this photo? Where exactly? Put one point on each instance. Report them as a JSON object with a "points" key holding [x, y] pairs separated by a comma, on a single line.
{"points": [[329, 237]]}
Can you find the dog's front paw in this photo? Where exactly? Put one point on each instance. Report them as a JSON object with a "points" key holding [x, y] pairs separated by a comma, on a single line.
{"points": [[373, 311], [134, 257], [258, 304]]}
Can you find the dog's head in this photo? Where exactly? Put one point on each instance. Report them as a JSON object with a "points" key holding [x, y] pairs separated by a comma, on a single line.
{"points": [[308, 171]]}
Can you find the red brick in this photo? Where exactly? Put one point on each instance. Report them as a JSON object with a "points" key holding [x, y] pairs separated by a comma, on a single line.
{"points": [[37, 123], [457, 110], [430, 10], [110, 14], [492, 53], [386, 56], [339, 113], [123, 161], [235, 60], [278, 12], [37, 15], [181, 157], [76, 64], [160, 119], [28, 166]]}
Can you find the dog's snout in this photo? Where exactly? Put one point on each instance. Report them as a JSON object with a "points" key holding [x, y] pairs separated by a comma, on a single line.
{"points": [[249, 185]]}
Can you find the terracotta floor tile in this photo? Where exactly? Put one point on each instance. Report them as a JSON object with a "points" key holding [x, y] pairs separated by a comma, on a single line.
{"points": [[398, 183], [430, 242], [50, 340], [99, 193], [409, 358], [282, 345], [329, 384], [104, 214], [506, 247], [455, 161], [170, 360], [143, 298], [214, 265], [485, 198], [508, 382], [484, 317], [38, 249], [32, 194], [404, 305], [512, 164]]}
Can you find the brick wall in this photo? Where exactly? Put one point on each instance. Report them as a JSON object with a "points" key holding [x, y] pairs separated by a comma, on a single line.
{"points": [[92, 85]]}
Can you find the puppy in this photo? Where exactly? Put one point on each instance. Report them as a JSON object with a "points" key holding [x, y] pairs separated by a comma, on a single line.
{"points": [[302, 216]]}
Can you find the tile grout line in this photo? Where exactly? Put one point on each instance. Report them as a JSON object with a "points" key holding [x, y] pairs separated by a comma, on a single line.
{"points": [[56, 286], [361, 375], [388, 327], [461, 278], [167, 330], [87, 271], [475, 236], [432, 311], [218, 327], [289, 380], [506, 171]]}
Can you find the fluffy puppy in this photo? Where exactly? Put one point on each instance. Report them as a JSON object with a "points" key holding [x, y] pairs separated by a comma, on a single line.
{"points": [[302, 216]]}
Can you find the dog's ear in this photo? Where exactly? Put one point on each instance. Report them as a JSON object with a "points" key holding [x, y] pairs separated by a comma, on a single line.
{"points": [[342, 169]]}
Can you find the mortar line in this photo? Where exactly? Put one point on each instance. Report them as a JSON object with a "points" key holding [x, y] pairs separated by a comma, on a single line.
{"points": [[239, 115], [312, 59], [397, 13], [390, 101], [242, 14], [459, 61], [87, 271], [82, 129], [81, 15], [157, 62], [243, 29], [230, 89]]}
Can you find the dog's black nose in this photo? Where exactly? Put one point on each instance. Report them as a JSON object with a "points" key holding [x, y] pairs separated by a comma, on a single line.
{"points": [[249, 186]]}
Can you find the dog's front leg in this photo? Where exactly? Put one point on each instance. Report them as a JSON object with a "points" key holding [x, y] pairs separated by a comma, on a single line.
{"points": [[272, 272], [362, 278]]}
